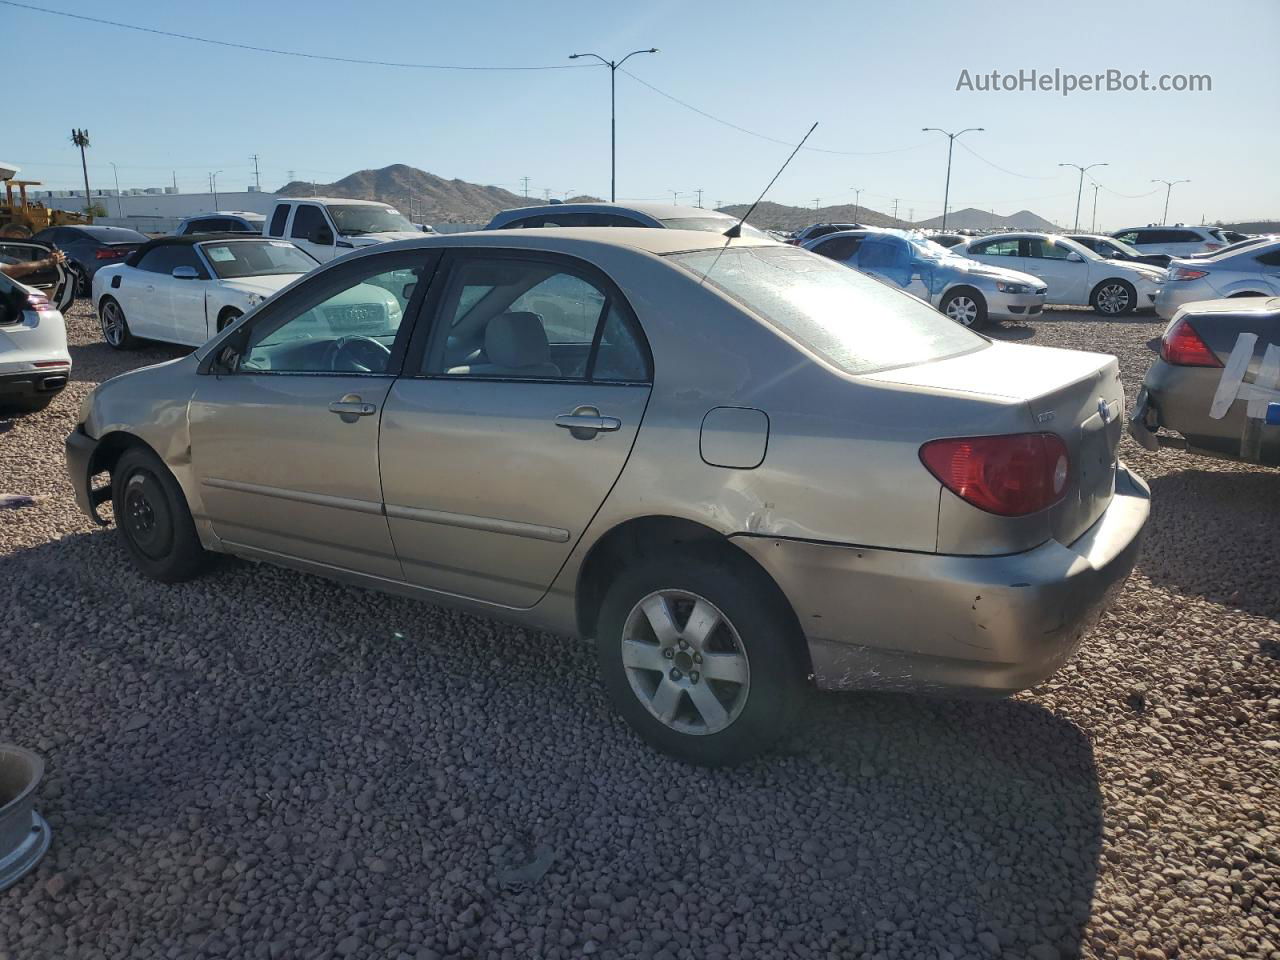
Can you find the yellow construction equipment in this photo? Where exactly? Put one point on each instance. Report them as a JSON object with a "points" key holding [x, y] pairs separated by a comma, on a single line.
{"points": [[31, 214]]}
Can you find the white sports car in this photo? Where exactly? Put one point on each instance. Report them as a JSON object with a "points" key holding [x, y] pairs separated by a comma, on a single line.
{"points": [[186, 289]]}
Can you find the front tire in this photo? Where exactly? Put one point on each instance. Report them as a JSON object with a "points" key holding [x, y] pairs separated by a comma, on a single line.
{"points": [[153, 520], [227, 318], [1114, 298], [115, 328], [701, 655], [966, 307]]}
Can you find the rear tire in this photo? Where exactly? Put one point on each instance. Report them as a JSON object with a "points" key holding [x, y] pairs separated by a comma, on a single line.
{"points": [[1114, 298], [153, 519], [115, 328], [722, 676], [966, 307], [227, 318]]}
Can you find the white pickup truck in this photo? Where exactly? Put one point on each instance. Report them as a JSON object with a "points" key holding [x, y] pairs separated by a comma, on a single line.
{"points": [[328, 227]]}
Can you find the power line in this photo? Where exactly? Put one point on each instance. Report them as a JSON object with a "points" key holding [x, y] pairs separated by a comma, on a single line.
{"points": [[281, 53], [753, 133], [1012, 173]]}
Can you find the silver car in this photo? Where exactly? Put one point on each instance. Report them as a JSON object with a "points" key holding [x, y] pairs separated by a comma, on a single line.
{"points": [[666, 216], [968, 292], [1251, 271], [738, 468]]}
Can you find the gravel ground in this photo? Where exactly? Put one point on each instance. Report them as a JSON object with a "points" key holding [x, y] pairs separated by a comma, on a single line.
{"points": [[266, 764]]}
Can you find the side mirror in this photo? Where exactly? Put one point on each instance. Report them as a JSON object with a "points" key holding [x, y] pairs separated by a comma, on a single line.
{"points": [[1073, 257], [185, 273], [322, 235]]}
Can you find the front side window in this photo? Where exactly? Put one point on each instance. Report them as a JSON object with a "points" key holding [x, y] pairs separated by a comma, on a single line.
{"points": [[253, 258], [308, 224], [164, 258], [347, 330], [996, 248], [532, 319], [854, 321], [278, 220]]}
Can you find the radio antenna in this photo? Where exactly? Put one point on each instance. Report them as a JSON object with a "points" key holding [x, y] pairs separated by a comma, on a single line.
{"points": [[736, 230]]}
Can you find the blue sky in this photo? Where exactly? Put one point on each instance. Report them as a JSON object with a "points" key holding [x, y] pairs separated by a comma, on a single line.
{"points": [[871, 74]]}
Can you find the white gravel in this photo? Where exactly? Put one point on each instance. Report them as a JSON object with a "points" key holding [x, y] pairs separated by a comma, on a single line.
{"points": [[266, 764]]}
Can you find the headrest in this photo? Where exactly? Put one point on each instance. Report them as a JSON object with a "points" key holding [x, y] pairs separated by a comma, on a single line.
{"points": [[516, 340]]}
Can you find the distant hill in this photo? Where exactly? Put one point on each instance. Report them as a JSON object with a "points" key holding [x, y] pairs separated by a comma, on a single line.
{"points": [[418, 193], [1253, 226], [778, 216], [972, 218]]}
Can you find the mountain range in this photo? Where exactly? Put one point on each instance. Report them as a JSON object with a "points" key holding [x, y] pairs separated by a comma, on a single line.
{"points": [[427, 198]]}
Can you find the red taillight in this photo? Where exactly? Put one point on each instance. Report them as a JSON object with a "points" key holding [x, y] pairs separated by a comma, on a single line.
{"points": [[109, 253], [1213, 246], [1186, 273], [1010, 475], [1182, 347], [50, 363]]}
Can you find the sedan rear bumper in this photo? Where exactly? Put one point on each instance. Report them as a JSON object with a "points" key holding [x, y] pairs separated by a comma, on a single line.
{"points": [[957, 625], [25, 384]]}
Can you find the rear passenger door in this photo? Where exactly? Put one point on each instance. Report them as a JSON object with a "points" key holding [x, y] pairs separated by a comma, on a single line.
{"points": [[512, 422]]}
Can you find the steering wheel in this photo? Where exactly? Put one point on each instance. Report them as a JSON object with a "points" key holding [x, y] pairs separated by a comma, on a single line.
{"points": [[358, 355]]}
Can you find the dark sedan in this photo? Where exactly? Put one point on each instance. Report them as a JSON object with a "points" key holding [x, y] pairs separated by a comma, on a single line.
{"points": [[1176, 406], [90, 247], [1109, 248]]}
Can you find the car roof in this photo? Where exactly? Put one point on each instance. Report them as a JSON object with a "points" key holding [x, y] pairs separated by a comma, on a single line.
{"points": [[1166, 226], [92, 229], [191, 239], [242, 214], [646, 239], [368, 203]]}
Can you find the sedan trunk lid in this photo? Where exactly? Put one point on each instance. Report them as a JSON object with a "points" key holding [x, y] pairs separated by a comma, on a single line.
{"points": [[1073, 394]]}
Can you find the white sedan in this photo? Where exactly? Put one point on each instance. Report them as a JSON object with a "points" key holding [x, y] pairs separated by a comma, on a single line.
{"points": [[186, 289], [1073, 274]]}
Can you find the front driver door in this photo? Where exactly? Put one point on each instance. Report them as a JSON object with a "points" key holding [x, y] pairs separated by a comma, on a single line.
{"points": [[54, 282], [501, 443], [285, 444]]}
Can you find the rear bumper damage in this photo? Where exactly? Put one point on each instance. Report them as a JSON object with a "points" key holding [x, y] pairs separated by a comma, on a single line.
{"points": [[956, 625]]}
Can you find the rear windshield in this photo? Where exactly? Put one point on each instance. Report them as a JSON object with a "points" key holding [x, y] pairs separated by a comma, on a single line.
{"points": [[852, 320], [713, 225]]}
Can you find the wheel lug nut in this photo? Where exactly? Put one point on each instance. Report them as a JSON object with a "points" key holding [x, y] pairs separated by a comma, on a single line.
{"points": [[693, 677], [675, 674], [683, 645], [668, 653], [697, 658]]}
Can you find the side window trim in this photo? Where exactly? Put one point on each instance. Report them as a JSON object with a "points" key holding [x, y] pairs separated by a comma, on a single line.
{"points": [[338, 276], [429, 325]]}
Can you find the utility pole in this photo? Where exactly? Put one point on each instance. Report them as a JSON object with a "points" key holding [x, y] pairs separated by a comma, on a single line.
{"points": [[81, 139], [292, 175], [675, 197], [546, 193], [699, 193], [911, 215], [1168, 189], [816, 201], [213, 188], [257, 178], [525, 181], [1080, 185], [613, 66], [951, 142], [857, 196], [175, 181], [719, 204], [895, 210], [1093, 221]]}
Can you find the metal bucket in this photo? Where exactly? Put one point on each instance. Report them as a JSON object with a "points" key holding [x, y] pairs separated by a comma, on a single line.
{"points": [[24, 836]]}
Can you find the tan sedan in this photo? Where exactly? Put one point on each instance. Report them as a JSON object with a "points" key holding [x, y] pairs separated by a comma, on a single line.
{"points": [[737, 467]]}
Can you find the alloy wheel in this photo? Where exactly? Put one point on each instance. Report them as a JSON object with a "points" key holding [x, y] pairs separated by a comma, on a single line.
{"points": [[685, 662], [1113, 299], [112, 323], [963, 310]]}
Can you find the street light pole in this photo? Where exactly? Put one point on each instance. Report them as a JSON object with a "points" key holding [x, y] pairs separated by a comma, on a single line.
{"points": [[613, 66], [1080, 186], [119, 200], [857, 195], [1093, 221], [1168, 189], [951, 142], [213, 189]]}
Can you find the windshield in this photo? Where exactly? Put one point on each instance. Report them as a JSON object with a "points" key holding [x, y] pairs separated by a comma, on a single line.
{"points": [[713, 225], [1111, 243], [854, 321], [114, 234], [356, 219], [256, 258]]}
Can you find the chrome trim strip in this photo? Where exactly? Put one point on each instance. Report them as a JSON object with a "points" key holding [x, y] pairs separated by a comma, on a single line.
{"points": [[513, 528], [300, 496]]}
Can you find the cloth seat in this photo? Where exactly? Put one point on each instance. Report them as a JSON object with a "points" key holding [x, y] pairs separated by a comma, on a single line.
{"points": [[515, 345]]}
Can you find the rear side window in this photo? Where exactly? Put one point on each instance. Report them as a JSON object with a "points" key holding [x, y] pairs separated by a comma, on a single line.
{"points": [[1130, 236], [839, 248], [996, 248], [854, 321], [278, 220], [1271, 259]]}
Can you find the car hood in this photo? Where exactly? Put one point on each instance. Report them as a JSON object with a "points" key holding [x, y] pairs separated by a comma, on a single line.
{"points": [[973, 268], [262, 286]]}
